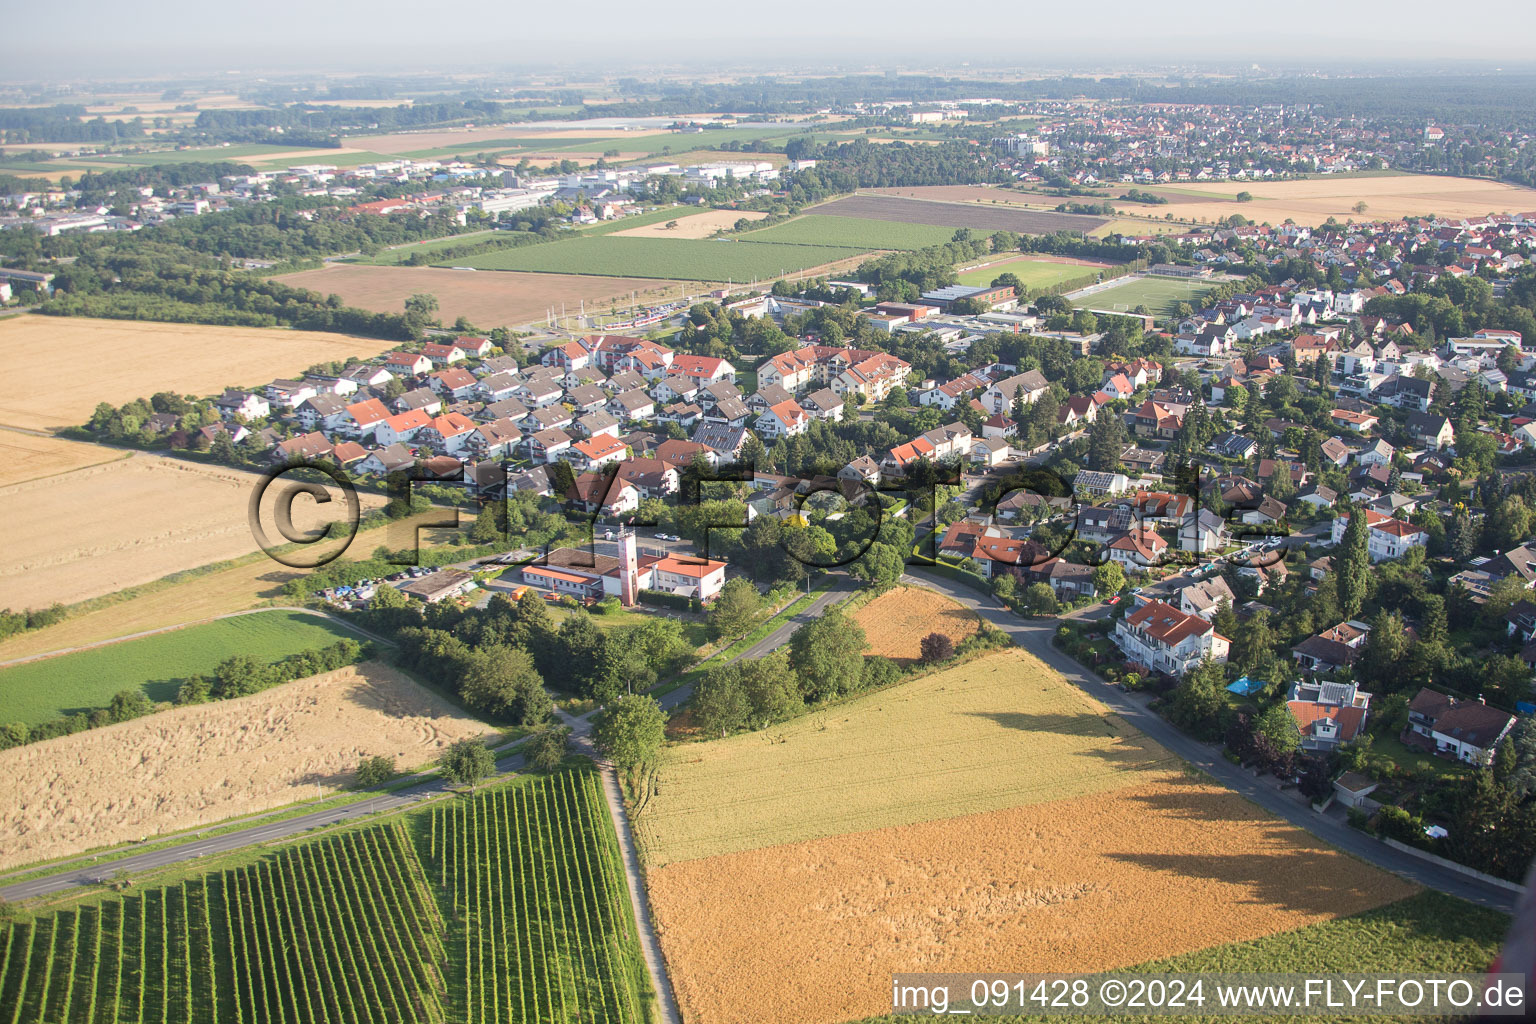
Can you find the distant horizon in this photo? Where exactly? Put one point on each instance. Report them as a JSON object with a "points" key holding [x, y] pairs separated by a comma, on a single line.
{"points": [[177, 38]]}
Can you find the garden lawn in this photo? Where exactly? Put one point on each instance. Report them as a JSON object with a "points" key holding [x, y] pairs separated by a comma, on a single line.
{"points": [[39, 691], [855, 232], [686, 259]]}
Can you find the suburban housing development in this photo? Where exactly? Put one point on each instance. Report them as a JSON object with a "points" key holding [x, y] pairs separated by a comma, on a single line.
{"points": [[625, 543]]}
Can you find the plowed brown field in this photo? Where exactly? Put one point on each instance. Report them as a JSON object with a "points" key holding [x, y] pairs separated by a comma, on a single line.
{"points": [[811, 932], [898, 619], [197, 765]]}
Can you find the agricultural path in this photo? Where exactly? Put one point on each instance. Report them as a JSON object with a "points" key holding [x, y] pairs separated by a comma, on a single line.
{"points": [[1034, 635]]}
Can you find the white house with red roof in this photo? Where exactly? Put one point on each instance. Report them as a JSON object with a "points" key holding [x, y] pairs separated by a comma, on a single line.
{"points": [[570, 356], [450, 433], [1164, 639], [442, 355], [702, 370], [1117, 386], [687, 577], [1138, 549], [454, 382], [401, 427], [1327, 714], [473, 345], [1385, 537], [364, 417], [783, 420], [595, 452], [408, 362]]}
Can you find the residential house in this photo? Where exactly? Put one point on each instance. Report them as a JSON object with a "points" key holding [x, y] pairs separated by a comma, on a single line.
{"points": [[1327, 714], [1385, 537], [1098, 484], [825, 404], [304, 447], [409, 364], [442, 355], [363, 418], [632, 405], [1204, 597], [1431, 429], [423, 399], [325, 412], [403, 426], [242, 405], [1140, 548], [546, 445], [1029, 386], [1467, 730], [450, 433], [392, 458], [1204, 532], [593, 453], [458, 384], [1164, 639], [783, 420], [1334, 648]]}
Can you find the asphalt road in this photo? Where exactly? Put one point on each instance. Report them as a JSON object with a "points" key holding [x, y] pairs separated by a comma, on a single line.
{"points": [[1034, 635]]}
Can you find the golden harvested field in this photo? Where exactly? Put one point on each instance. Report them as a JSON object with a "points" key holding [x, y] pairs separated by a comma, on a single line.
{"points": [[898, 619], [31, 456], [1001, 731], [59, 368], [488, 299], [1314, 200], [197, 765], [696, 225], [247, 582], [101, 529], [1164, 866]]}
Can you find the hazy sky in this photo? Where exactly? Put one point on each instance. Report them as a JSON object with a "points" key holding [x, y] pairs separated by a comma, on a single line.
{"points": [[95, 37]]}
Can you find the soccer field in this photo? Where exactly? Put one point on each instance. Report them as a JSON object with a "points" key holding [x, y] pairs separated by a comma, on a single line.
{"points": [[1035, 273], [1159, 294], [686, 259]]}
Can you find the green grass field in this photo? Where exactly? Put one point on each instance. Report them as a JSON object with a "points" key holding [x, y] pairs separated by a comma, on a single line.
{"points": [[1423, 934], [39, 691], [685, 259], [1159, 294], [853, 232], [1034, 273]]}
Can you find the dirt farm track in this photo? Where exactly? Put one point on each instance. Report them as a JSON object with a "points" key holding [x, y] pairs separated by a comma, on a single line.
{"points": [[489, 299]]}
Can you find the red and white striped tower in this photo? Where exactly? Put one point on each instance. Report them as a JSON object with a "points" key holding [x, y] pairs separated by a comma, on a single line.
{"points": [[629, 569]]}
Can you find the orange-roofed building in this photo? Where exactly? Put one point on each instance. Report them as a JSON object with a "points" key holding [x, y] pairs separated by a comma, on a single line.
{"points": [[1164, 639]]}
